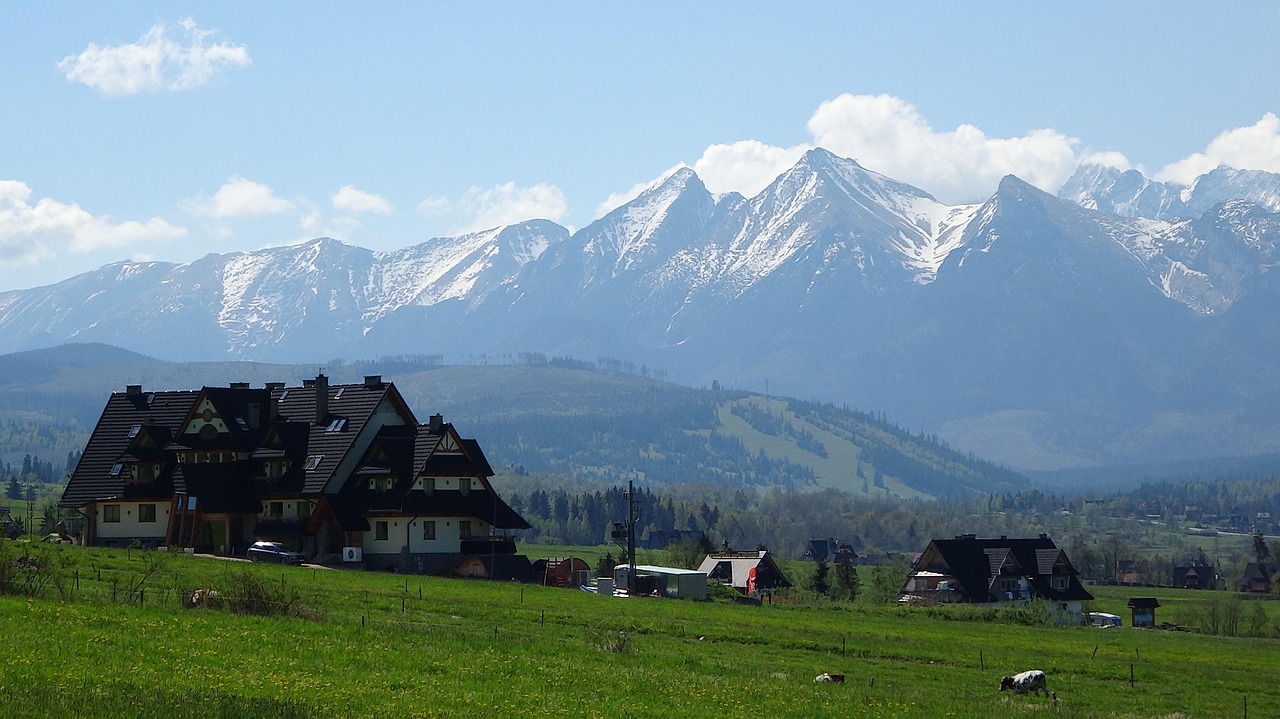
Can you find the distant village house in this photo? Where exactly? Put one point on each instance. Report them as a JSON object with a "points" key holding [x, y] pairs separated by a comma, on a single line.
{"points": [[995, 571]]}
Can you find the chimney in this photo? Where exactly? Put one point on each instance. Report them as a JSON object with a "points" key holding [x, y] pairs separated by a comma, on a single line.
{"points": [[133, 390], [437, 423], [322, 399], [373, 381], [239, 385], [273, 386]]}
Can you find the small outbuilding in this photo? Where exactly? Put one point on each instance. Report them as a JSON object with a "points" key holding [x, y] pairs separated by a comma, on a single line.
{"points": [[563, 572], [670, 582], [751, 573], [1144, 611]]}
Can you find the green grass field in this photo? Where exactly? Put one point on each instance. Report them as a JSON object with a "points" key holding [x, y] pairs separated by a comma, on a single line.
{"points": [[108, 636]]}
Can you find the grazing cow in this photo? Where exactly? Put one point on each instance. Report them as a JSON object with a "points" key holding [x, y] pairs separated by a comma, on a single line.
{"points": [[1030, 681], [825, 677]]}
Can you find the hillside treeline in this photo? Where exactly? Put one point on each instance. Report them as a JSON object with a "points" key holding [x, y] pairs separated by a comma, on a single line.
{"points": [[1103, 538]]}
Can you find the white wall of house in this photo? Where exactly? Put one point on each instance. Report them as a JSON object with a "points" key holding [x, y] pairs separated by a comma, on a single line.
{"points": [[130, 524], [290, 509], [448, 534]]}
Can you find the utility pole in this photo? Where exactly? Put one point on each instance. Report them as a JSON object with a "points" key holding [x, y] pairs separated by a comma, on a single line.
{"points": [[626, 531], [631, 538]]}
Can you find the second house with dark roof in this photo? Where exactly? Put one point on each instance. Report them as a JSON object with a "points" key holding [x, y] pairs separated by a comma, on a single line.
{"points": [[342, 473], [995, 571]]}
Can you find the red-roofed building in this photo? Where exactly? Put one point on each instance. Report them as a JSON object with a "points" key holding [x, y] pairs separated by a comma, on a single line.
{"points": [[340, 473]]}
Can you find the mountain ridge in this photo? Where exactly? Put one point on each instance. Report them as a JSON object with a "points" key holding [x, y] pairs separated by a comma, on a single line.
{"points": [[834, 283]]}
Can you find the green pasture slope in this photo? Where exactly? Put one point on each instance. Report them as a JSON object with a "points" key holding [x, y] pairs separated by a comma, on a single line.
{"points": [[108, 637]]}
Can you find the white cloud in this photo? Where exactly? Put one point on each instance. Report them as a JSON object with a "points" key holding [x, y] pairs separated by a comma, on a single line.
{"points": [[314, 224], [1108, 158], [502, 205], [160, 60], [889, 135], [747, 166], [33, 232], [1255, 147], [239, 197], [350, 199]]}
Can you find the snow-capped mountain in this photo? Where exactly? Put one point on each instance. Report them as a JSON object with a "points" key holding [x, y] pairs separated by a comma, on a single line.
{"points": [[1131, 194], [1123, 320]]}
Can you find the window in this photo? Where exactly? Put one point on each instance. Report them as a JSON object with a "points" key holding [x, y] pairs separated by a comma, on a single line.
{"points": [[1059, 583], [1008, 585], [464, 529], [314, 460], [134, 430], [277, 509], [429, 484], [429, 529], [115, 469], [304, 510], [337, 425], [146, 512], [380, 531], [464, 485], [111, 513]]}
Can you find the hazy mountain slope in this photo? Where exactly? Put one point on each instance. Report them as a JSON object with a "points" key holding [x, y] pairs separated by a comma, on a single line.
{"points": [[1035, 330], [591, 424]]}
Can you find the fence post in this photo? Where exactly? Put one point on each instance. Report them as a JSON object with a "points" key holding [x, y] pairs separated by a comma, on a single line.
{"points": [[1130, 674], [982, 662]]}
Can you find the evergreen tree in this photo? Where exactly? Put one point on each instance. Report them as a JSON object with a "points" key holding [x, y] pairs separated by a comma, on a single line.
{"points": [[15, 488], [846, 584], [1260, 549], [821, 584]]}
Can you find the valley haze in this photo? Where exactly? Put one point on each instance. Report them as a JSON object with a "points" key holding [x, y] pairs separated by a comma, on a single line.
{"points": [[1125, 320]]}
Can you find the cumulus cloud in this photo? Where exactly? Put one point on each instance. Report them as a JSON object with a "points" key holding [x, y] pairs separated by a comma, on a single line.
{"points": [[32, 232], [889, 135], [164, 58], [1255, 147], [350, 199], [239, 197], [502, 205], [747, 166]]}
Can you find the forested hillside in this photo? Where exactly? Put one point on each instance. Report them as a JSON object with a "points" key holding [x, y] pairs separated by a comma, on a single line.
{"points": [[605, 420]]}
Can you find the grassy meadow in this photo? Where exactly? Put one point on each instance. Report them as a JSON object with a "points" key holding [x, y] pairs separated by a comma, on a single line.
{"points": [[108, 634]]}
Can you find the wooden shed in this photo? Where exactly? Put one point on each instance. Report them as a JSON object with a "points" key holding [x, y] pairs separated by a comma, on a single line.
{"points": [[1144, 611]]}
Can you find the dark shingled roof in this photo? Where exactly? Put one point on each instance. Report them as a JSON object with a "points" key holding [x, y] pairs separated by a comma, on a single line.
{"points": [[977, 564], [92, 478], [350, 407], [313, 433]]}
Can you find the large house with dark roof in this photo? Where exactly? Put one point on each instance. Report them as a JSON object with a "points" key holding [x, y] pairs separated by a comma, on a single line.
{"points": [[338, 472], [995, 571]]}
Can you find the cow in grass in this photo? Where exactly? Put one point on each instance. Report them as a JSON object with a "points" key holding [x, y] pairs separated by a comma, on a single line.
{"points": [[1027, 682]]}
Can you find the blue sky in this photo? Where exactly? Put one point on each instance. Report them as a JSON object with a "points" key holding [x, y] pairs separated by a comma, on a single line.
{"points": [[171, 130]]}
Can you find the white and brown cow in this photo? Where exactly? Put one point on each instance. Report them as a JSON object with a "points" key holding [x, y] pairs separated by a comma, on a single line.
{"points": [[1026, 682]]}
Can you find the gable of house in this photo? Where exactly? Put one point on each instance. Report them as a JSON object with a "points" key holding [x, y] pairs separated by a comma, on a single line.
{"points": [[991, 570]]}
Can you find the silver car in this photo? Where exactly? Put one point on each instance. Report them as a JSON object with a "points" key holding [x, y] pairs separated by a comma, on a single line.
{"points": [[273, 552]]}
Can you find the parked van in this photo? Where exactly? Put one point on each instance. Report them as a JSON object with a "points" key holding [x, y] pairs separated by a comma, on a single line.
{"points": [[1102, 620]]}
